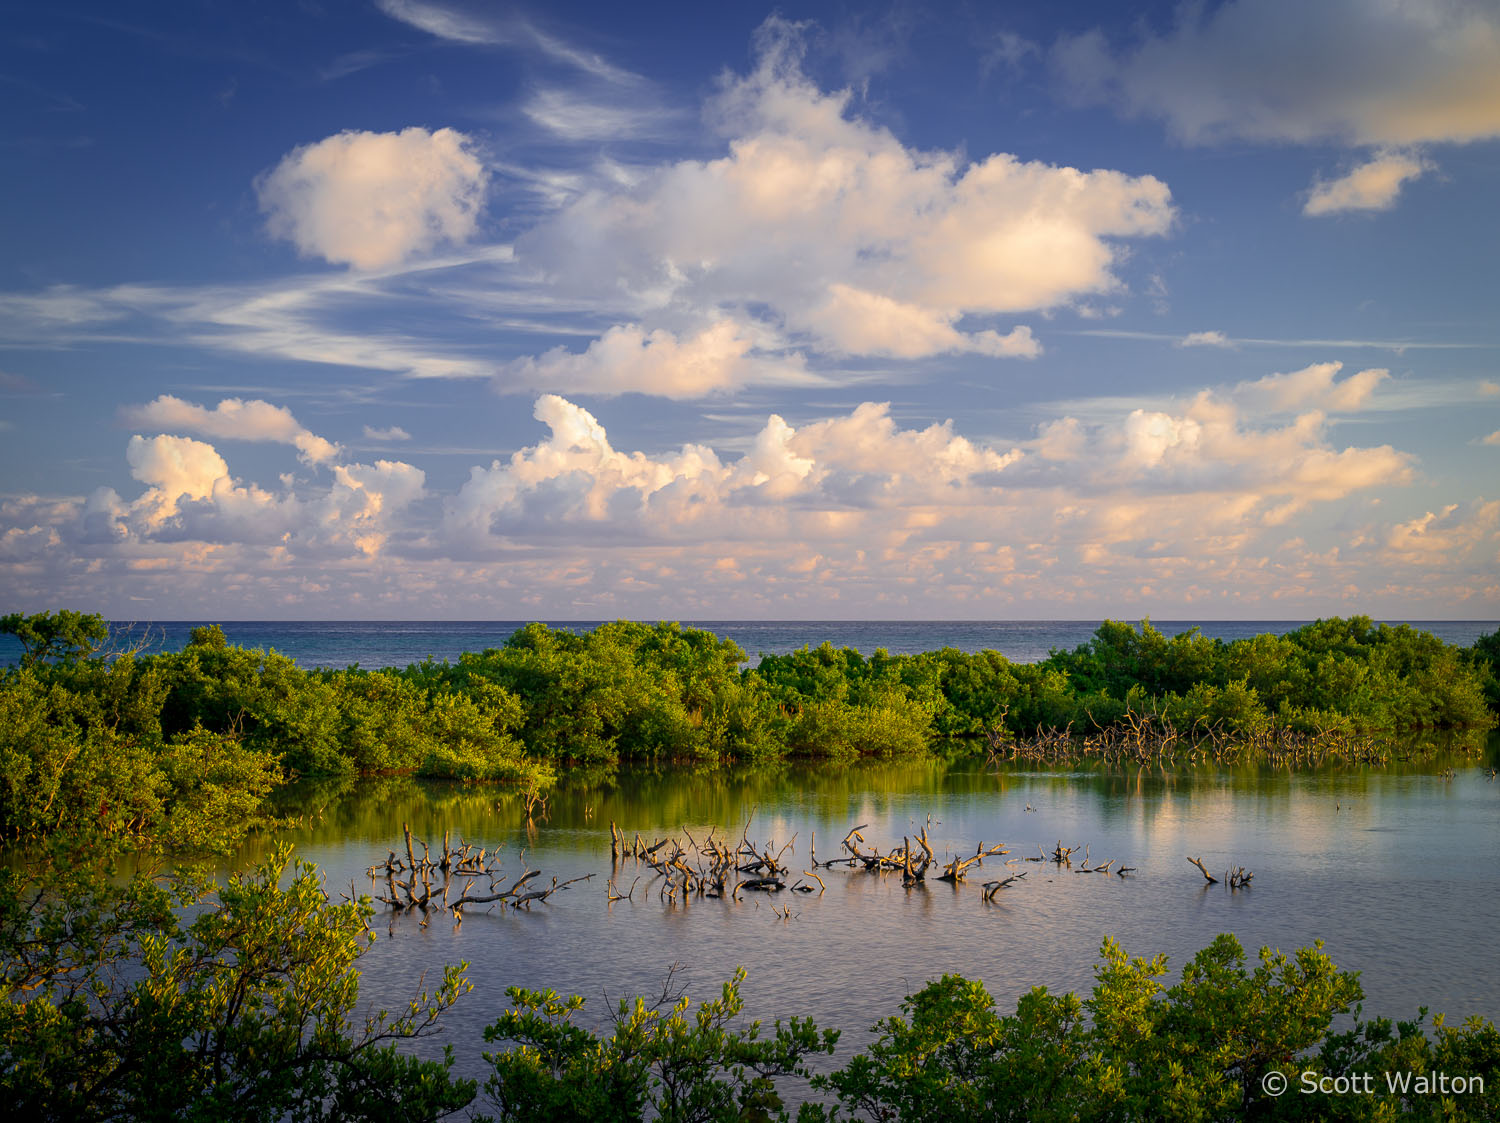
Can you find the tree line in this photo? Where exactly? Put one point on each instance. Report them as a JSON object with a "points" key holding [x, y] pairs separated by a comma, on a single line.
{"points": [[169, 745]]}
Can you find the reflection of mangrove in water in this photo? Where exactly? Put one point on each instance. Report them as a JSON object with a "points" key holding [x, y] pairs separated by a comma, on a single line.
{"points": [[1340, 853], [658, 799], [1147, 738]]}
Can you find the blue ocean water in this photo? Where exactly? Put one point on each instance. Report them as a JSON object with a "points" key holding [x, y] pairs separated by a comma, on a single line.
{"points": [[399, 643]]}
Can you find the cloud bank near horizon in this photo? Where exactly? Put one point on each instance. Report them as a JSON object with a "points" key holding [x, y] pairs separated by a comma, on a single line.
{"points": [[1213, 494]]}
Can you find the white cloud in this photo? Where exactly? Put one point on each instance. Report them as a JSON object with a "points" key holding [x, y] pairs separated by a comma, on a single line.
{"points": [[866, 323], [1492, 439], [840, 236], [629, 358], [1312, 387], [191, 497], [394, 433], [1373, 186], [572, 116], [1489, 388], [1441, 537], [366, 498], [175, 468], [815, 235], [1206, 466], [235, 419], [1205, 339], [372, 200], [1064, 439], [842, 464], [456, 24], [1356, 71], [1215, 499], [441, 21]]}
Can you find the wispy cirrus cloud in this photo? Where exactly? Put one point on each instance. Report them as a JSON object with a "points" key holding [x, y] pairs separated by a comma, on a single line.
{"points": [[1205, 339], [1221, 339], [456, 23], [575, 116]]}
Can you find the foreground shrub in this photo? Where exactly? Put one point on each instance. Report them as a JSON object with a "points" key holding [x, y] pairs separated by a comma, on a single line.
{"points": [[114, 1009], [1208, 1048], [653, 1065]]}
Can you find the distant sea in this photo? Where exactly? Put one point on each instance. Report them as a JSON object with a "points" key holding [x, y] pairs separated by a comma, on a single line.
{"points": [[398, 643]]}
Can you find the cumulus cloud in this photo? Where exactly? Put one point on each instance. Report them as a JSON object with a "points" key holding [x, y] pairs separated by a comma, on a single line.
{"points": [[1492, 439], [1209, 465], [191, 497], [629, 358], [839, 236], [1285, 70], [372, 200], [366, 497], [576, 475], [235, 419], [1373, 186], [174, 468], [1214, 498], [1458, 530], [815, 234], [867, 323], [1312, 387]]}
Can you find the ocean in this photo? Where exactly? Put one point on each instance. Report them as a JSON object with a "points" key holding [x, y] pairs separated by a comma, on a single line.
{"points": [[398, 643]]}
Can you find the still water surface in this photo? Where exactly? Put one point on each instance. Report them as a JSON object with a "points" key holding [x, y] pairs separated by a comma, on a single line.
{"points": [[1396, 869]]}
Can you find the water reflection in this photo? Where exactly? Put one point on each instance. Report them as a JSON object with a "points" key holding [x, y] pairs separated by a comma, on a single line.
{"points": [[1395, 868]]}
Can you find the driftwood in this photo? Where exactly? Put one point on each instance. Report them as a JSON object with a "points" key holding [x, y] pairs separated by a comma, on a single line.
{"points": [[681, 867], [1237, 877], [427, 883], [993, 887]]}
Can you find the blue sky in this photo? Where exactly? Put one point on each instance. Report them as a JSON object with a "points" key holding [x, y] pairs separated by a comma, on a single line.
{"points": [[440, 310]]}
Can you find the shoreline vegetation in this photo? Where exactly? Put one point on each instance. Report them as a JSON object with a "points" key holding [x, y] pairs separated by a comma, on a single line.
{"points": [[165, 994], [166, 747]]}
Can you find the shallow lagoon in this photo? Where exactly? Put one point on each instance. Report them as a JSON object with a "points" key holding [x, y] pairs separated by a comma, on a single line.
{"points": [[1395, 868]]}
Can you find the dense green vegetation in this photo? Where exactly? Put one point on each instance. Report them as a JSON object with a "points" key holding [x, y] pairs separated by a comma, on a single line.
{"points": [[1132, 1050], [163, 746], [121, 1005]]}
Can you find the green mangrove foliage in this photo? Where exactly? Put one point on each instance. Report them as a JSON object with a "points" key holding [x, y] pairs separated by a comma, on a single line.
{"points": [[179, 749], [117, 1006], [1216, 1046], [654, 1064], [162, 746]]}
